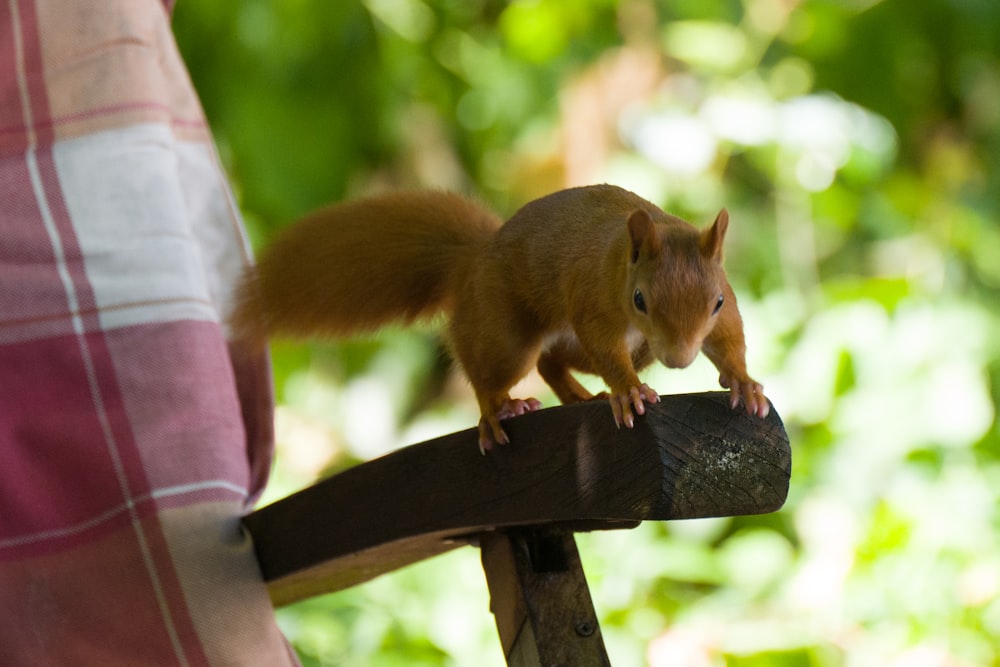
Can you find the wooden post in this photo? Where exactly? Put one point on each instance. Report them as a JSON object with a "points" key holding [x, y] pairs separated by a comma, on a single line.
{"points": [[540, 600]]}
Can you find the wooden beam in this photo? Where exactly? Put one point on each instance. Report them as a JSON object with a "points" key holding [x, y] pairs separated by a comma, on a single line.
{"points": [[540, 600], [690, 456]]}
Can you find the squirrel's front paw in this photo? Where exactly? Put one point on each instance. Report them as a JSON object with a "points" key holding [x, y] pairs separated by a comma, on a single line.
{"points": [[622, 405], [750, 392]]}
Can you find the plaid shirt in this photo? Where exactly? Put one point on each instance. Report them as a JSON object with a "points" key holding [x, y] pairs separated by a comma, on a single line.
{"points": [[130, 441]]}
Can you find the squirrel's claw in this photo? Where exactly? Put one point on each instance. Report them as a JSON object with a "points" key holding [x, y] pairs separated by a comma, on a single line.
{"points": [[490, 431], [622, 405], [490, 434], [750, 392]]}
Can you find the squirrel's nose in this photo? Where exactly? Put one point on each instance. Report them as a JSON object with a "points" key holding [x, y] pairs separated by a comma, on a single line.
{"points": [[677, 357]]}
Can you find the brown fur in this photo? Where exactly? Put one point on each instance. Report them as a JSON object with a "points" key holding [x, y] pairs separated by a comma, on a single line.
{"points": [[554, 286], [360, 265]]}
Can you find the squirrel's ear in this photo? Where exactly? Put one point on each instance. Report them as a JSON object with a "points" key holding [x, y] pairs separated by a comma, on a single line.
{"points": [[642, 235], [712, 238]]}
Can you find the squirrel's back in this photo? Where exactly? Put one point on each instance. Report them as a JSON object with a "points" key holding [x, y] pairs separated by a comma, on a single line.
{"points": [[359, 265], [563, 242], [585, 219]]}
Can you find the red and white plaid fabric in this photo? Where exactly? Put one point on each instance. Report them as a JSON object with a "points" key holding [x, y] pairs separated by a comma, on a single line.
{"points": [[130, 442]]}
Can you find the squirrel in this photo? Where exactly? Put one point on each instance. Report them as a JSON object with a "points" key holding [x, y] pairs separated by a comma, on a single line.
{"points": [[593, 279]]}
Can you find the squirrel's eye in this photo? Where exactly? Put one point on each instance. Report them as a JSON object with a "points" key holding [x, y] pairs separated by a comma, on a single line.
{"points": [[639, 300], [718, 305]]}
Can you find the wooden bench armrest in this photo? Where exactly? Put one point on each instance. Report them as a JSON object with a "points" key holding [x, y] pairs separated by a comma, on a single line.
{"points": [[690, 456]]}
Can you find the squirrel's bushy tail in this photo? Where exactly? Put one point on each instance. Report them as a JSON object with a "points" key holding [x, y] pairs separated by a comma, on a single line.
{"points": [[362, 264]]}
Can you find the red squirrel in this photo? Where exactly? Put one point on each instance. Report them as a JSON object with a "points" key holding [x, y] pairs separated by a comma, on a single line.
{"points": [[593, 279]]}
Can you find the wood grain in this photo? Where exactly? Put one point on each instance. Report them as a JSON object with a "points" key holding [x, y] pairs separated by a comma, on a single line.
{"points": [[690, 456]]}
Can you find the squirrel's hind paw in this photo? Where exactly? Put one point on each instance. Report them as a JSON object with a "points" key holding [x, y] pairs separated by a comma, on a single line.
{"points": [[622, 405], [490, 431], [514, 407]]}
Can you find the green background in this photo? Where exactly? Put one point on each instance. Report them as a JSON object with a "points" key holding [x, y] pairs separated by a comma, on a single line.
{"points": [[855, 144]]}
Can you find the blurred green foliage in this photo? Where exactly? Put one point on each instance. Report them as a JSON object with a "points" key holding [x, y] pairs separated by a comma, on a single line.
{"points": [[856, 144]]}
